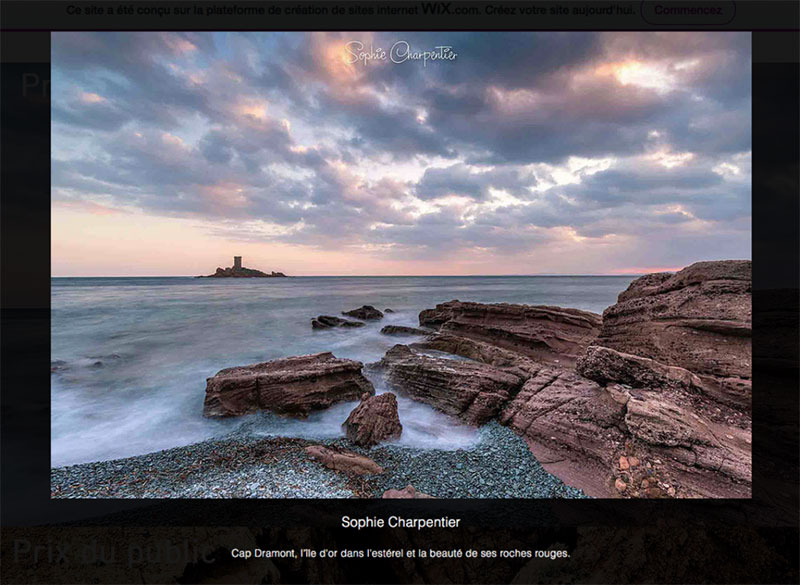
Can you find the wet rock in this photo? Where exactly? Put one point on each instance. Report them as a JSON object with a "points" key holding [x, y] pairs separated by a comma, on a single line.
{"points": [[293, 386], [543, 333], [366, 313], [407, 493], [471, 391], [328, 321], [342, 460], [94, 362], [402, 330], [374, 420], [388, 311]]}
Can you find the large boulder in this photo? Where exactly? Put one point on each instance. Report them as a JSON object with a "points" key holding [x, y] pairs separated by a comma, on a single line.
{"points": [[471, 391], [293, 386], [343, 460], [543, 333], [374, 420], [365, 312], [328, 321], [698, 319]]}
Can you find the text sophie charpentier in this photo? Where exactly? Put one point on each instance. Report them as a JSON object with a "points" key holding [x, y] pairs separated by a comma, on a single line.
{"points": [[399, 52], [400, 522]]}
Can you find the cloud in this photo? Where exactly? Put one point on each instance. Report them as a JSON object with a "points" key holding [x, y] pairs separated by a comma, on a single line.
{"points": [[527, 142]]}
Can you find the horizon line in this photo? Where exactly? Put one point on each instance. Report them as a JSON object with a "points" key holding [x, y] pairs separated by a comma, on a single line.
{"points": [[353, 276]]}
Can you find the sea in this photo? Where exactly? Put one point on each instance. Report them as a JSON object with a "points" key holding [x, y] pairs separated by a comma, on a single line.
{"points": [[130, 356]]}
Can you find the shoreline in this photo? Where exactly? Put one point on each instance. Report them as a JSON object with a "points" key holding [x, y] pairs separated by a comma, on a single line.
{"points": [[245, 465]]}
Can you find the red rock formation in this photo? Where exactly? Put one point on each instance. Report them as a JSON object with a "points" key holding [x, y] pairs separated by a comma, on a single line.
{"points": [[374, 420], [572, 425], [472, 391], [698, 319], [292, 386], [546, 334], [660, 403], [580, 429], [680, 346]]}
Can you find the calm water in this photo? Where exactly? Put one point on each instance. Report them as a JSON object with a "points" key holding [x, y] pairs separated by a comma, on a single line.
{"points": [[158, 339]]}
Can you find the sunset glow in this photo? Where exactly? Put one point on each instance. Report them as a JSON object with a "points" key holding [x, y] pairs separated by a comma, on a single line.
{"points": [[531, 153]]}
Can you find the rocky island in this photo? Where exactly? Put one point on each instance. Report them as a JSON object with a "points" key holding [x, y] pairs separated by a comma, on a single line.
{"points": [[238, 271]]}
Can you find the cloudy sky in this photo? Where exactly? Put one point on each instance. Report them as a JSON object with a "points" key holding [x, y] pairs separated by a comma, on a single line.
{"points": [[530, 153]]}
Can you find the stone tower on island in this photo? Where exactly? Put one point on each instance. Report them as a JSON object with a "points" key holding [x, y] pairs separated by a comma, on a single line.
{"points": [[239, 271]]}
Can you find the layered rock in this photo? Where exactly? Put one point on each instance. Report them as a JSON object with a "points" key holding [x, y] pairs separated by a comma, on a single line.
{"points": [[674, 354], [374, 420], [402, 330], [605, 365], [365, 313], [293, 386], [328, 322], [698, 319], [543, 333], [572, 425], [479, 351], [471, 391], [342, 460], [579, 430], [659, 403]]}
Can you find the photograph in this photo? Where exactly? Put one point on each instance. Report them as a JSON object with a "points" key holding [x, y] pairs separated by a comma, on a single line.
{"points": [[332, 265]]}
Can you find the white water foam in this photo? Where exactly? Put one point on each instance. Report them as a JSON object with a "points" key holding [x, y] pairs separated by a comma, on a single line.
{"points": [[136, 352]]}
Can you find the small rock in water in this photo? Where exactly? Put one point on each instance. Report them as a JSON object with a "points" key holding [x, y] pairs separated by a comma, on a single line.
{"points": [[365, 312], [328, 321], [374, 420]]}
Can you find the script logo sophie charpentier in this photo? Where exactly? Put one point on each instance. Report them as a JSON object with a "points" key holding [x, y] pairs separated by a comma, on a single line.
{"points": [[399, 52]]}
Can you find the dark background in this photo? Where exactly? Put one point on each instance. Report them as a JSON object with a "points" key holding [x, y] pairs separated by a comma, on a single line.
{"points": [[187, 541]]}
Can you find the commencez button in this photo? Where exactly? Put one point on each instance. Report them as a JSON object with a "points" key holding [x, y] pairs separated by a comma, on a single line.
{"points": [[668, 12]]}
